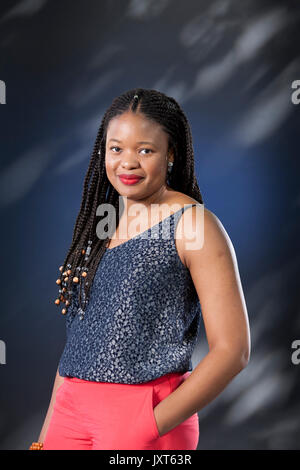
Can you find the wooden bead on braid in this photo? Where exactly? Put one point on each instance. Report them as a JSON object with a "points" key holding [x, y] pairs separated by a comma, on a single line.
{"points": [[84, 273], [61, 297]]}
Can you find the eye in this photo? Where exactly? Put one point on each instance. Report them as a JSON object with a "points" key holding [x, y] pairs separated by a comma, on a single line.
{"points": [[115, 147], [149, 150]]}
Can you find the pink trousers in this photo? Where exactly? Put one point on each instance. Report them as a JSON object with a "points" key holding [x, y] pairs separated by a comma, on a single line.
{"points": [[101, 415]]}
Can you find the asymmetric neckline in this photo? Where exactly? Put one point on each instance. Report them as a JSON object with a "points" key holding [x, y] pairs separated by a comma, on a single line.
{"points": [[107, 250]]}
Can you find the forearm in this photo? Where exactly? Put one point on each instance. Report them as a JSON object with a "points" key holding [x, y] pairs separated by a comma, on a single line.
{"points": [[57, 383], [205, 383]]}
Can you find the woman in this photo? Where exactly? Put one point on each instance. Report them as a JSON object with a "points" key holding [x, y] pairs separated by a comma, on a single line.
{"points": [[132, 302]]}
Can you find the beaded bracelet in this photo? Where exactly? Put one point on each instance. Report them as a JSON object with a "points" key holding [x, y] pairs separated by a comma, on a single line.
{"points": [[36, 446]]}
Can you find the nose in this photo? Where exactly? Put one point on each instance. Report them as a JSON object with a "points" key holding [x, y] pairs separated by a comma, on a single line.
{"points": [[129, 161]]}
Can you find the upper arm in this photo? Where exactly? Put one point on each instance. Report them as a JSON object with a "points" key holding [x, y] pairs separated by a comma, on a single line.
{"points": [[214, 270]]}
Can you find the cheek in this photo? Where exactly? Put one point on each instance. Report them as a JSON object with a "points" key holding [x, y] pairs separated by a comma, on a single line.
{"points": [[109, 164], [156, 171], [109, 170]]}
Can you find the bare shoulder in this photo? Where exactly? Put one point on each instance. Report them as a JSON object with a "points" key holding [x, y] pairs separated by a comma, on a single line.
{"points": [[202, 225], [178, 198], [203, 237], [216, 238]]}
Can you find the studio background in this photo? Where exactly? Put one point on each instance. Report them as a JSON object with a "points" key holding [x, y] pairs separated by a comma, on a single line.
{"points": [[231, 66]]}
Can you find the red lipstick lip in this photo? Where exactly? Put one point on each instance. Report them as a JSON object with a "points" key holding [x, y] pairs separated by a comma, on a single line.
{"points": [[130, 177]]}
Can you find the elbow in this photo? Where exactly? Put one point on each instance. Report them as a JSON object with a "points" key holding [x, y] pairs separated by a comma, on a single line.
{"points": [[243, 358], [242, 352], [240, 358]]}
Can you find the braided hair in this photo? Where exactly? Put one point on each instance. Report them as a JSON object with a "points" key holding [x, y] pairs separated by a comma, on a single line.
{"points": [[87, 248]]}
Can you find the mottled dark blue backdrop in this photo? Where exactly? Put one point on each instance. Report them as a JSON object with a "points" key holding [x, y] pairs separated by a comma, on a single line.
{"points": [[230, 65]]}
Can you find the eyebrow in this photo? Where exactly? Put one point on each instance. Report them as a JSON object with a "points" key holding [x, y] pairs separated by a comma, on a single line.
{"points": [[140, 142]]}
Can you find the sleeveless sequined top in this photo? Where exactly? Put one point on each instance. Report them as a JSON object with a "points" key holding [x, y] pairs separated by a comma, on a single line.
{"points": [[143, 315]]}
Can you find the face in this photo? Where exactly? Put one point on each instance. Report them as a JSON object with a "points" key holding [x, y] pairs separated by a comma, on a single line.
{"points": [[136, 146]]}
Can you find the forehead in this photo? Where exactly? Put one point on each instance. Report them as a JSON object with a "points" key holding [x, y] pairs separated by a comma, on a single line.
{"points": [[130, 125]]}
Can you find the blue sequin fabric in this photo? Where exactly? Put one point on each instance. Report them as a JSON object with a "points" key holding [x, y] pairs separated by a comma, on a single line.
{"points": [[143, 315]]}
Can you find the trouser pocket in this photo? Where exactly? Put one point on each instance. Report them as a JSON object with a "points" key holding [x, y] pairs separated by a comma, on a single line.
{"points": [[158, 393], [128, 419], [152, 403], [141, 402]]}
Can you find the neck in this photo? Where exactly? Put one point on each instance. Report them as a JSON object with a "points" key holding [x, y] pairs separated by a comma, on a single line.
{"points": [[156, 198]]}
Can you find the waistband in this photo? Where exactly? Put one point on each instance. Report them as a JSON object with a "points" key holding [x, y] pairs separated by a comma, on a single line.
{"points": [[164, 378]]}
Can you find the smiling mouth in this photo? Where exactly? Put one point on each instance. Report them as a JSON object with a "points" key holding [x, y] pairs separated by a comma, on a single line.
{"points": [[131, 180]]}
